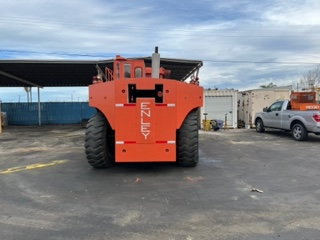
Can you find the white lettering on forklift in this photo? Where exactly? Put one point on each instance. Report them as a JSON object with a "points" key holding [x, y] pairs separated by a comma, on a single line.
{"points": [[145, 117]]}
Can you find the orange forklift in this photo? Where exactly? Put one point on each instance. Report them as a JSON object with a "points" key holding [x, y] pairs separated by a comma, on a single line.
{"points": [[142, 115]]}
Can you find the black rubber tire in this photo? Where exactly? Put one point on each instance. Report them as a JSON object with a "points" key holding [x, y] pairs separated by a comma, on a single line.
{"points": [[259, 126], [99, 142], [188, 141], [299, 132]]}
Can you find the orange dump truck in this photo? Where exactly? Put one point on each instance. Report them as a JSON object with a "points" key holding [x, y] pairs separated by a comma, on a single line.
{"points": [[142, 115]]}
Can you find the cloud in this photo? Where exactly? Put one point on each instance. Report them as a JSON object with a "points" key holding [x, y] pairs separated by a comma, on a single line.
{"points": [[294, 13], [243, 43]]}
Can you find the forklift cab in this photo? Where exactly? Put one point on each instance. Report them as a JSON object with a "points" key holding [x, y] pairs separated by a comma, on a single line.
{"points": [[125, 69]]}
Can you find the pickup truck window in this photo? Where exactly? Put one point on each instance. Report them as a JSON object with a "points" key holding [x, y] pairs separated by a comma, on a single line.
{"points": [[289, 106], [276, 106]]}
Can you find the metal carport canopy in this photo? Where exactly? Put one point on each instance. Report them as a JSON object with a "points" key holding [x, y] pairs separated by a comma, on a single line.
{"points": [[59, 73], [67, 73]]}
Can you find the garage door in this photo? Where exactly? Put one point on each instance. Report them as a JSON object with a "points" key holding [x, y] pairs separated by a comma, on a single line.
{"points": [[218, 106]]}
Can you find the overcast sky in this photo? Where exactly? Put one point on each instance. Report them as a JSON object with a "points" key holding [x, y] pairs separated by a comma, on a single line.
{"points": [[243, 43]]}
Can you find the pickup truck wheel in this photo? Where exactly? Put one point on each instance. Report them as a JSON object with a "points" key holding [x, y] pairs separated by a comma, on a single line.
{"points": [[99, 142], [299, 132], [259, 126]]}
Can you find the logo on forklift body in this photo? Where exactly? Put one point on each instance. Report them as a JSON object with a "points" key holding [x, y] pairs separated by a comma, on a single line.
{"points": [[145, 119]]}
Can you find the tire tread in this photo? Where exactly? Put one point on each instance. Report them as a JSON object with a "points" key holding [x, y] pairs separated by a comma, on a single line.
{"points": [[96, 149], [188, 141]]}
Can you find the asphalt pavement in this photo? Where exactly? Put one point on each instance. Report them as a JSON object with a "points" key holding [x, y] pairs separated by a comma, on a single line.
{"points": [[247, 185]]}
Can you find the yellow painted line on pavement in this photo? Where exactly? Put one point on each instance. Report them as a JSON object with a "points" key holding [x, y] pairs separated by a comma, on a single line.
{"points": [[32, 166]]}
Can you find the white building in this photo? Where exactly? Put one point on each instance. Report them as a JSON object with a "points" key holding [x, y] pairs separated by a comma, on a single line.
{"points": [[219, 104], [252, 101]]}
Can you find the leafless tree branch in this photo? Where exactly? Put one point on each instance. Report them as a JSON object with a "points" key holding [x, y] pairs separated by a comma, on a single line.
{"points": [[311, 79]]}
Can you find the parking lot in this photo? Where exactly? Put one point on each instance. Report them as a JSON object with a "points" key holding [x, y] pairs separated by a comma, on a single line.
{"points": [[48, 191]]}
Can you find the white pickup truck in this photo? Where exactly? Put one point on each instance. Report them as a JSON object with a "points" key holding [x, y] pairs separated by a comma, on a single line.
{"points": [[280, 116]]}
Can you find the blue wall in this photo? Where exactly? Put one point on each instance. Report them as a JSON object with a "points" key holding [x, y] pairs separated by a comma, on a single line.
{"points": [[51, 113]]}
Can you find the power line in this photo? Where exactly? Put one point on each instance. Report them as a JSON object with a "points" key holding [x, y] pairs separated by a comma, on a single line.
{"points": [[108, 56], [250, 33], [54, 53], [260, 62]]}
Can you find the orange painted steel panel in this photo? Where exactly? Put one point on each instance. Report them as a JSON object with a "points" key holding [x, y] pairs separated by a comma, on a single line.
{"points": [[145, 129], [304, 101], [146, 152], [142, 128], [102, 97], [189, 97], [305, 106]]}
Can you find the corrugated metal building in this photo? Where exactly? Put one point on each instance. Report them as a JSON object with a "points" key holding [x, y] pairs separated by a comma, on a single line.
{"points": [[252, 101], [218, 104], [51, 113]]}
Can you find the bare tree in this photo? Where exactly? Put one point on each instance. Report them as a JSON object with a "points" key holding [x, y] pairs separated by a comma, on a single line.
{"points": [[270, 85], [311, 79]]}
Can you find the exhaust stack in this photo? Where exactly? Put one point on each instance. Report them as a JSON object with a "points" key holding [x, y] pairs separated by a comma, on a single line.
{"points": [[155, 64]]}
